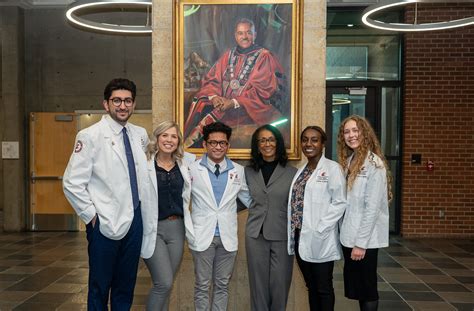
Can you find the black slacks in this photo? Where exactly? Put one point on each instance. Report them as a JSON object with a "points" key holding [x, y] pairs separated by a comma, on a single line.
{"points": [[318, 279]]}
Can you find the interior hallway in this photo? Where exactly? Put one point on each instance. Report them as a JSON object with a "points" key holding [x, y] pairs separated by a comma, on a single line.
{"points": [[48, 271]]}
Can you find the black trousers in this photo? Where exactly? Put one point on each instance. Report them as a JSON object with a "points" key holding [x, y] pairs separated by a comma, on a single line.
{"points": [[318, 279]]}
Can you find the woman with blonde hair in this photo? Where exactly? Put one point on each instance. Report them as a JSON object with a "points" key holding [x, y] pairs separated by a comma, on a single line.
{"points": [[164, 226], [365, 224]]}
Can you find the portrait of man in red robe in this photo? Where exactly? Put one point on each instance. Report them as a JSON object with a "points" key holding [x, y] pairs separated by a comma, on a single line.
{"points": [[245, 88]]}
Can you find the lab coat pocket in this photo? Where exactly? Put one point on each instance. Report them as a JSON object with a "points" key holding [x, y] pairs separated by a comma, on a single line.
{"points": [[324, 244], [323, 235], [200, 223]]}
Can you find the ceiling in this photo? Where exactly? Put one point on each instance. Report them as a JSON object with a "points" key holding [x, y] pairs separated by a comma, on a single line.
{"points": [[62, 3], [35, 3]]}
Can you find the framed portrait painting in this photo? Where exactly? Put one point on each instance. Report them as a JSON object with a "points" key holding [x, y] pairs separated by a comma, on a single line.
{"points": [[237, 62]]}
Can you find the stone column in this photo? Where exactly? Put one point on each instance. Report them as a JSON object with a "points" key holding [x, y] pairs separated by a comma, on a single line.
{"points": [[313, 86], [12, 117]]}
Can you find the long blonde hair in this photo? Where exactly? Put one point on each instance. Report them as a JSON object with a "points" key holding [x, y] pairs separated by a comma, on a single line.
{"points": [[369, 145], [152, 147]]}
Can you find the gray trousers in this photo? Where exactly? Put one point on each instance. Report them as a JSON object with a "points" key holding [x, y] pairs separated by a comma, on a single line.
{"points": [[165, 262], [216, 264], [270, 271]]}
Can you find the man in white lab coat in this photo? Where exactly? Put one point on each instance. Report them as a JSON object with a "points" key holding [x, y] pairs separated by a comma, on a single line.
{"points": [[102, 180], [216, 183]]}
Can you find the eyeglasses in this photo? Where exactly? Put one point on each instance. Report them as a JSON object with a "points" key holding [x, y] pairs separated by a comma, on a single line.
{"points": [[221, 143], [116, 101], [264, 141]]}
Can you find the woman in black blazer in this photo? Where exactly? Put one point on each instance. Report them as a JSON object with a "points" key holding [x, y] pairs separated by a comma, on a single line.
{"points": [[269, 178]]}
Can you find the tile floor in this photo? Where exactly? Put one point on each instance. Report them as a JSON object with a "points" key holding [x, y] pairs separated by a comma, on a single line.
{"points": [[48, 271]]}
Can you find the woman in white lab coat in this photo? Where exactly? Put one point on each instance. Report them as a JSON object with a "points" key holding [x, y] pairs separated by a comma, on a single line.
{"points": [[317, 201], [165, 223], [365, 225]]}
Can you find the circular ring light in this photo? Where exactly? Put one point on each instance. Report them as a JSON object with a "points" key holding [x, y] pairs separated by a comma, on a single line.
{"points": [[411, 27], [83, 6]]}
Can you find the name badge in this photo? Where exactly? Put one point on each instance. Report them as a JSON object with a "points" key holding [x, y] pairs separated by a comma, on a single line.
{"points": [[362, 173], [235, 178], [322, 177]]}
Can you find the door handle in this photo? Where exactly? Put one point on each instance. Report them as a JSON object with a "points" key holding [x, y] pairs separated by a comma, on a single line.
{"points": [[34, 177]]}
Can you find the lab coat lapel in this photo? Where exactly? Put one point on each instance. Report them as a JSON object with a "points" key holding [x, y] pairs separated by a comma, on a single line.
{"points": [[231, 175], [205, 176], [185, 173], [152, 174], [112, 140], [119, 151]]}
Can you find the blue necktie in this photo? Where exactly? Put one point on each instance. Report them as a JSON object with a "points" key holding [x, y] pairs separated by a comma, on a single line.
{"points": [[131, 168]]}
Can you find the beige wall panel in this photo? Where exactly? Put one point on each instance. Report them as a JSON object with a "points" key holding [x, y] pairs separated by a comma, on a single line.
{"points": [[162, 65]]}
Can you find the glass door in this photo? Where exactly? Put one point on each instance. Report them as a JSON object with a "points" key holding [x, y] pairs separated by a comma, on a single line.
{"points": [[343, 102]]}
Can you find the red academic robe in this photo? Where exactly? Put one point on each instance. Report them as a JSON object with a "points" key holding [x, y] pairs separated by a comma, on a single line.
{"points": [[261, 82]]}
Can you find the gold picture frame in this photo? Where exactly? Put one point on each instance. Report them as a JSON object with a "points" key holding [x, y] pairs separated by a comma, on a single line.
{"points": [[266, 85]]}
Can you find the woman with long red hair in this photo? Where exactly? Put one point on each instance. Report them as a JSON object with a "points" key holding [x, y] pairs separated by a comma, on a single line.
{"points": [[365, 225]]}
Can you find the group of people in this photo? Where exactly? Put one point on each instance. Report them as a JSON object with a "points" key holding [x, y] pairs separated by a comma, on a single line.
{"points": [[144, 198]]}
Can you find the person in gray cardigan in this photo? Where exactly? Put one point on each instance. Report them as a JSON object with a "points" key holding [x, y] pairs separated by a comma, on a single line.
{"points": [[269, 178]]}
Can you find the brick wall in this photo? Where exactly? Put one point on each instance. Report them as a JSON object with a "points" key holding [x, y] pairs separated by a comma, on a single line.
{"points": [[439, 125]]}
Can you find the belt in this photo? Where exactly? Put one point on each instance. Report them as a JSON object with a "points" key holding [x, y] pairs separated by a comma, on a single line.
{"points": [[173, 217]]}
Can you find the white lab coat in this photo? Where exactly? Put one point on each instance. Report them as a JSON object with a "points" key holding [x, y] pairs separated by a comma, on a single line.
{"points": [[205, 212], [365, 222], [323, 206], [150, 214], [96, 180]]}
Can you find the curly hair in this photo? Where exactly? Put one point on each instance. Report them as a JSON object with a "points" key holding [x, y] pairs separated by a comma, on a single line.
{"points": [[256, 160], [369, 145], [152, 147]]}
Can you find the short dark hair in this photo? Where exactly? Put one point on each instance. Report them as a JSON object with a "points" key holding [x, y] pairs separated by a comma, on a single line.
{"points": [[216, 127], [318, 129], [120, 84], [256, 160]]}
